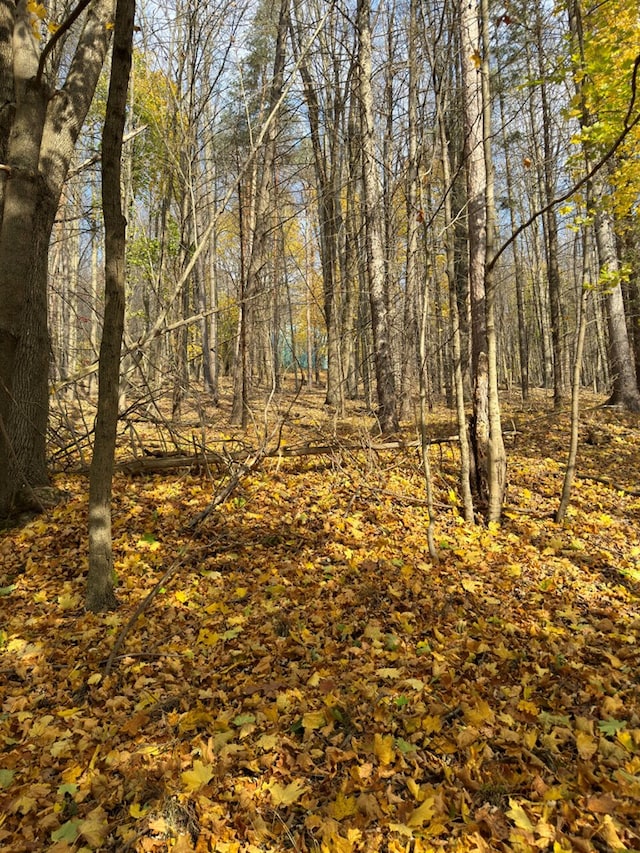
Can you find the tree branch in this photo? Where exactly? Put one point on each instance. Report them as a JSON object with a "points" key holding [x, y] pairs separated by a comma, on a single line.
{"points": [[626, 130]]}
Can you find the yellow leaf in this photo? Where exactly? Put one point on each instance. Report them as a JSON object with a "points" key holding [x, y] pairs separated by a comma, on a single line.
{"points": [[423, 813], [285, 795], [587, 745], [193, 720], [477, 59], [519, 816], [267, 742], [342, 807], [313, 720], [67, 601], [383, 748], [388, 672], [479, 715], [609, 832], [37, 9], [208, 638], [199, 776], [528, 707], [96, 827], [182, 595], [136, 810], [431, 723], [53, 27], [96, 678]]}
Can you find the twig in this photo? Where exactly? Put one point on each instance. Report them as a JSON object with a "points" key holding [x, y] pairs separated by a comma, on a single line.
{"points": [[171, 571], [240, 472], [611, 483]]}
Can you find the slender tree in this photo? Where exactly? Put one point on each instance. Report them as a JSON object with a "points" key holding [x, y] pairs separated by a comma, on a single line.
{"points": [[99, 594], [385, 383]]}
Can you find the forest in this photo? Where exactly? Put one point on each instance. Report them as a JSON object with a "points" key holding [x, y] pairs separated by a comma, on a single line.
{"points": [[319, 426]]}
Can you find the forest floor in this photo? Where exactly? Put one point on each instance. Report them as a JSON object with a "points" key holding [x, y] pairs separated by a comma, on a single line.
{"points": [[309, 679]]}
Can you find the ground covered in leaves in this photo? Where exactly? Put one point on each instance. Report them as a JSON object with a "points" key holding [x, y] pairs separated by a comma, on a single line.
{"points": [[311, 680]]}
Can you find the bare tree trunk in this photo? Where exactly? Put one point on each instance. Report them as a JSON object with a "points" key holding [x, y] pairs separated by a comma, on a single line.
{"points": [[99, 592], [325, 141], [411, 333], [385, 384], [497, 456], [458, 379], [37, 138], [625, 387], [523, 344], [570, 470], [477, 237]]}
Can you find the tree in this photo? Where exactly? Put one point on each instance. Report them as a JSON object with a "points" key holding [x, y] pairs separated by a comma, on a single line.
{"points": [[39, 124], [385, 384], [325, 88], [487, 432], [625, 390], [99, 594]]}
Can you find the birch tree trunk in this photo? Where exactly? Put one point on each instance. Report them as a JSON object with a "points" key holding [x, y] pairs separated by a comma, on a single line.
{"points": [[99, 593]]}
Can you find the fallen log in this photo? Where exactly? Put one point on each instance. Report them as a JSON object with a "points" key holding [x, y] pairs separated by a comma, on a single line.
{"points": [[154, 464]]}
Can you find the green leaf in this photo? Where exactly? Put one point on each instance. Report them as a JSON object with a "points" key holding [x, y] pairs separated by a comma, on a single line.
{"points": [[231, 634], [67, 832], [6, 778], [243, 719], [148, 538], [7, 590], [404, 746], [611, 727]]}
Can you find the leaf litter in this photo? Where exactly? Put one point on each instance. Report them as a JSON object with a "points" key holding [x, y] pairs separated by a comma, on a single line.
{"points": [[311, 681]]}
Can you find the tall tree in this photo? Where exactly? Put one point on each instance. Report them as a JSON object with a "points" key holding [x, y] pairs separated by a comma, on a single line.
{"points": [[39, 124], [385, 383], [487, 433], [99, 593], [625, 390]]}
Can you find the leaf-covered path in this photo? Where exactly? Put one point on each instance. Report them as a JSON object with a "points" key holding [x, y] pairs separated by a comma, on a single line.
{"points": [[311, 680]]}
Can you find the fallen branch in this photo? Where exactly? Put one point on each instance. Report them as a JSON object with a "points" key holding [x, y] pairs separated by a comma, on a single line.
{"points": [[607, 481], [152, 463]]}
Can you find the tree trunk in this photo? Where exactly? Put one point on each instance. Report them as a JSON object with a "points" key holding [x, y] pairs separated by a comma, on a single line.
{"points": [[625, 388], [38, 130], [477, 237], [385, 383], [497, 457], [99, 593], [325, 144]]}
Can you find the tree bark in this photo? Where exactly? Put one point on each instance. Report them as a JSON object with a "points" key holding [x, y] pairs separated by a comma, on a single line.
{"points": [[625, 387], [385, 384], [99, 592], [475, 169], [39, 126]]}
